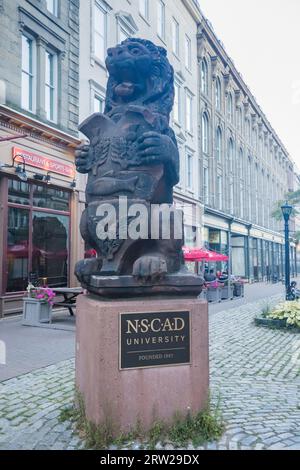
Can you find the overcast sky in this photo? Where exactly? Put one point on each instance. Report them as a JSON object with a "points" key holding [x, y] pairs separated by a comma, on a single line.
{"points": [[263, 39]]}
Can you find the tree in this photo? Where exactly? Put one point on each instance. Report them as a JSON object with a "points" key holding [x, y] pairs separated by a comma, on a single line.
{"points": [[293, 198]]}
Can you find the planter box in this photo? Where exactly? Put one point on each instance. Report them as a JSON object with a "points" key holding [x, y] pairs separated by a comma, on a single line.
{"points": [[227, 292], [35, 311], [270, 322], [214, 294]]}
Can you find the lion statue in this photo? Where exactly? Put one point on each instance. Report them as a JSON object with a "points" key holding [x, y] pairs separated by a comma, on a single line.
{"points": [[132, 154]]}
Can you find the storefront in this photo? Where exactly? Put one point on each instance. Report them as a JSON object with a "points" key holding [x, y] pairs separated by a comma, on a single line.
{"points": [[40, 209], [255, 254]]}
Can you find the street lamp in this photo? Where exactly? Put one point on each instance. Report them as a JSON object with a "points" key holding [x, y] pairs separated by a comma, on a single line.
{"points": [[286, 212]]}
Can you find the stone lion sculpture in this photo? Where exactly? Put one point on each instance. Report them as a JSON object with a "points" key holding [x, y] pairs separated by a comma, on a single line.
{"points": [[132, 154]]}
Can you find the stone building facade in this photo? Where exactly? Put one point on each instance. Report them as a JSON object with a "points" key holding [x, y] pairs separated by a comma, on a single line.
{"points": [[39, 108], [170, 24], [244, 167], [233, 164]]}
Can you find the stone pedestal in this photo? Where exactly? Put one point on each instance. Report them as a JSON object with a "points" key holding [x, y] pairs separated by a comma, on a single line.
{"points": [[125, 397]]}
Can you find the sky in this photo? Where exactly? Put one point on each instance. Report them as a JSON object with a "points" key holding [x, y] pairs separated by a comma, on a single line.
{"points": [[262, 37]]}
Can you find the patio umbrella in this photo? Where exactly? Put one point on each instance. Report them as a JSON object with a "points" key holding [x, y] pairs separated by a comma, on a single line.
{"points": [[202, 254]]}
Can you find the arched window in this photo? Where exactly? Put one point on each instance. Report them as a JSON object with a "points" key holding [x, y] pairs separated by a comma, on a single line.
{"points": [[219, 144], [239, 119], [205, 133], [218, 94], [204, 77], [230, 108], [230, 153], [241, 163], [248, 131]]}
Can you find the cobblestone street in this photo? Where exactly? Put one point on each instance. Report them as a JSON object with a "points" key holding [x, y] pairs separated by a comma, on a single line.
{"points": [[255, 376]]}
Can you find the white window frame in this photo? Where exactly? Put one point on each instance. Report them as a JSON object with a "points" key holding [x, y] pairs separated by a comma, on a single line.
{"points": [[218, 94], [52, 7], [144, 9], [175, 37], [99, 34], [205, 133], [230, 108], [219, 144], [177, 118], [204, 76], [161, 19], [188, 53], [52, 87], [188, 111], [189, 170], [32, 75]]}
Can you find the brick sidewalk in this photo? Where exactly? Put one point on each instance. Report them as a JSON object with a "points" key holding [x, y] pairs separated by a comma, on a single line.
{"points": [[254, 371]]}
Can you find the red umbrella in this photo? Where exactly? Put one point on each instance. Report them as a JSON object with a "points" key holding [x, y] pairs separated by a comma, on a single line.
{"points": [[202, 254]]}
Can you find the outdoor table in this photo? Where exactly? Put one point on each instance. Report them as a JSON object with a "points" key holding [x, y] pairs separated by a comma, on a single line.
{"points": [[69, 295]]}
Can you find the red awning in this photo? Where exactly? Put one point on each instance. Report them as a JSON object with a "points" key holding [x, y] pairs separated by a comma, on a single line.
{"points": [[202, 254]]}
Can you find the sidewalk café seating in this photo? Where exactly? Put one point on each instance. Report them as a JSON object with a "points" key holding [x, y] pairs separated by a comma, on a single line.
{"points": [[214, 291]]}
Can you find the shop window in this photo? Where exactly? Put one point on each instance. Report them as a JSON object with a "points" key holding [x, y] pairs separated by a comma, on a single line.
{"points": [[50, 198], [18, 192], [50, 239], [17, 249], [37, 239]]}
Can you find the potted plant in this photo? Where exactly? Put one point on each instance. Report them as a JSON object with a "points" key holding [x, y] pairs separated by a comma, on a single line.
{"points": [[37, 307], [214, 290]]}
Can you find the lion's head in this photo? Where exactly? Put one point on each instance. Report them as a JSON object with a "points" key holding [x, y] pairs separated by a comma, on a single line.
{"points": [[139, 73]]}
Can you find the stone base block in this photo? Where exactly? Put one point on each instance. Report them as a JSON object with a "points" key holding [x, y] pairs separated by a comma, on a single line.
{"points": [[128, 396]]}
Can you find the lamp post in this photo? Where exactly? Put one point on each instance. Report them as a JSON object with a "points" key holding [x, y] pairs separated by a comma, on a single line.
{"points": [[286, 211]]}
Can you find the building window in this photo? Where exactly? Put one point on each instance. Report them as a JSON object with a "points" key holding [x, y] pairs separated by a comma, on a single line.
{"points": [[219, 144], [98, 104], [161, 19], [230, 154], [28, 92], [188, 52], [189, 167], [248, 131], [189, 112], [50, 86], [52, 7], [205, 133], [241, 163], [230, 108], [123, 34], [144, 8], [175, 37], [204, 77], [176, 107], [219, 192], [205, 186], [218, 94], [239, 119], [100, 32], [37, 235]]}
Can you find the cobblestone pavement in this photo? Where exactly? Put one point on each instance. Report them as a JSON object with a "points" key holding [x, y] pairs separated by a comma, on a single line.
{"points": [[255, 376]]}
